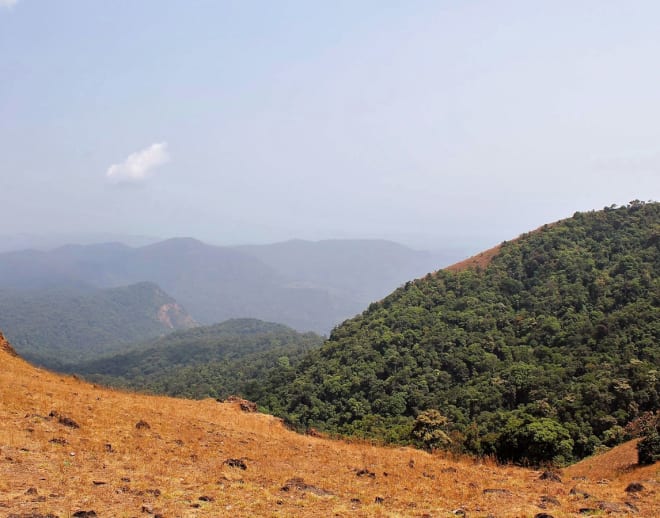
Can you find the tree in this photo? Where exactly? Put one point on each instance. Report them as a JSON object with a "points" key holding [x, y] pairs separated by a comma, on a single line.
{"points": [[428, 430]]}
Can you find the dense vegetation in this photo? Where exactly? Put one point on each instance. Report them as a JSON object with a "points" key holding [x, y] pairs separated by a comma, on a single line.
{"points": [[66, 324], [234, 357], [543, 355]]}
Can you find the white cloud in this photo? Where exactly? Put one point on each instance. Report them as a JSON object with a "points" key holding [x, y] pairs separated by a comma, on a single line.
{"points": [[139, 165], [8, 3]]}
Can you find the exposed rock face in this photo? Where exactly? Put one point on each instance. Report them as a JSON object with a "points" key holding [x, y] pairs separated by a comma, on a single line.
{"points": [[175, 317], [5, 346]]}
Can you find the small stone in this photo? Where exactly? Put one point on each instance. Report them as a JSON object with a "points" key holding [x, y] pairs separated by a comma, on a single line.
{"points": [[634, 487], [547, 499], [31, 491], [550, 475], [236, 463], [578, 492], [142, 425], [379, 500]]}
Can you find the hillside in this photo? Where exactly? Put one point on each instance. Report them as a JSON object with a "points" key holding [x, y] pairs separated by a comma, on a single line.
{"points": [[308, 286], [234, 357], [187, 459], [55, 325], [544, 351]]}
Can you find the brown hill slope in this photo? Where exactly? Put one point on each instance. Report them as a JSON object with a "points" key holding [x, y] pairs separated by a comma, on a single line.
{"points": [[188, 462]]}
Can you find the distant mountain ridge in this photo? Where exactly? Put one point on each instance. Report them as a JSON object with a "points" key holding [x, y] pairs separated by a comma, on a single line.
{"points": [[306, 285]]}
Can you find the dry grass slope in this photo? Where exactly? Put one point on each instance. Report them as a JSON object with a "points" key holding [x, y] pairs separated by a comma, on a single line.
{"points": [[481, 260], [177, 467]]}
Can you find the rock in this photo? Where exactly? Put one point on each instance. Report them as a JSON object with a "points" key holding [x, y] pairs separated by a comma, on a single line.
{"points": [[379, 500], [609, 507], [236, 463], [632, 507], [147, 509], [550, 475], [298, 484], [547, 499], [448, 470], [244, 404], [99, 482], [459, 512], [543, 515], [153, 492], [31, 491], [365, 473], [411, 464], [205, 498], [634, 487], [63, 420], [587, 510], [59, 440], [578, 492], [84, 514], [108, 447], [142, 425]]}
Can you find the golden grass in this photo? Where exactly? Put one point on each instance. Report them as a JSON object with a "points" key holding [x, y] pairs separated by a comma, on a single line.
{"points": [[481, 260], [167, 468]]}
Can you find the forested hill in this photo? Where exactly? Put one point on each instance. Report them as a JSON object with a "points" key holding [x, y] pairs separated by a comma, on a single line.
{"points": [[233, 357], [62, 324], [545, 353]]}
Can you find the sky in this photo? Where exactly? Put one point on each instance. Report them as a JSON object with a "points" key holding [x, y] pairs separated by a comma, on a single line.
{"points": [[432, 123]]}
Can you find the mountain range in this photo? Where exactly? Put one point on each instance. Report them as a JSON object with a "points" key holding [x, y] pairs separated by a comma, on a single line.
{"points": [[307, 285]]}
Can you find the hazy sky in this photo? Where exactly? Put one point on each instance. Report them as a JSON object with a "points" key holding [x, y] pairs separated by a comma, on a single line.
{"points": [[252, 121]]}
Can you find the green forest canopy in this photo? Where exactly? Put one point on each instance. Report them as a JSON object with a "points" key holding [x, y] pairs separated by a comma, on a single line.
{"points": [[545, 354]]}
